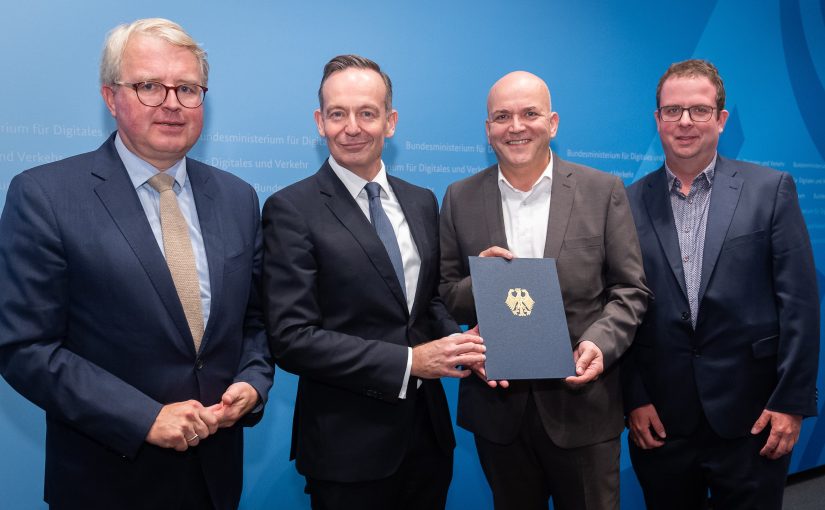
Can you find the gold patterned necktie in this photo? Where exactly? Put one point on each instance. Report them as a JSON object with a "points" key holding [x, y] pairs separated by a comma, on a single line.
{"points": [[179, 255]]}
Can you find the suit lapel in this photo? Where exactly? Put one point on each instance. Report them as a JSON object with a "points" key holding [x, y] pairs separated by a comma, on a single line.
{"points": [[344, 207], [493, 213], [660, 213], [205, 193], [118, 196], [723, 200], [562, 192]]}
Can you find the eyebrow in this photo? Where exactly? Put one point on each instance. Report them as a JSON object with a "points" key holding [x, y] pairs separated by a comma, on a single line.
{"points": [[331, 106], [507, 110], [182, 81]]}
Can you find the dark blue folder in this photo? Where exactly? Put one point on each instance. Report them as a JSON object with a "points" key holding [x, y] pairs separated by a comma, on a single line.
{"points": [[521, 318]]}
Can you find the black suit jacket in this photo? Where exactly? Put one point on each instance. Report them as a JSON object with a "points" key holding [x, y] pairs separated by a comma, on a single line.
{"points": [[92, 330], [756, 342], [337, 317]]}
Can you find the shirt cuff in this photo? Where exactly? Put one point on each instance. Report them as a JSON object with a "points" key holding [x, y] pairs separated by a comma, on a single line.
{"points": [[403, 393]]}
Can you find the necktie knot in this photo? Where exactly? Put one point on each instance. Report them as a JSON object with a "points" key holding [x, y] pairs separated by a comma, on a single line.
{"points": [[161, 182], [373, 190]]}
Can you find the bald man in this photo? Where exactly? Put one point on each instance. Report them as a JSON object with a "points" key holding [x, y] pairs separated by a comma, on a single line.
{"points": [[556, 438]]}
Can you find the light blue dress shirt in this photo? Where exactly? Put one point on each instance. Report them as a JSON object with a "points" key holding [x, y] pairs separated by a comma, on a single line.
{"points": [[139, 173]]}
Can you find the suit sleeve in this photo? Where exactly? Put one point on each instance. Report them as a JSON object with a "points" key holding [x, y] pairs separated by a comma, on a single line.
{"points": [[456, 286], [794, 277], [256, 366], [34, 309], [634, 392], [295, 322], [625, 290]]}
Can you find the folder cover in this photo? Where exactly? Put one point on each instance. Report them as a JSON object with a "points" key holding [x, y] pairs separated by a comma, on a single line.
{"points": [[521, 318]]}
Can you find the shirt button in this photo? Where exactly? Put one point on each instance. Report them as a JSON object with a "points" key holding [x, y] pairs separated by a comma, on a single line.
{"points": [[686, 258], [690, 200]]}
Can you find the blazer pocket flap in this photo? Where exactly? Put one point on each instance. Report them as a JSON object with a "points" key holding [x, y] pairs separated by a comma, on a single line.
{"points": [[744, 239], [765, 347], [582, 242]]}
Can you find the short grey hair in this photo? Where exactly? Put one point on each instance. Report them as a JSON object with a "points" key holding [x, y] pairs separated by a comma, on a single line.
{"points": [[171, 32]]}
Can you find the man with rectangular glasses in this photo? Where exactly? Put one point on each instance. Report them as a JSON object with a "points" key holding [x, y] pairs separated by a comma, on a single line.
{"points": [[723, 368]]}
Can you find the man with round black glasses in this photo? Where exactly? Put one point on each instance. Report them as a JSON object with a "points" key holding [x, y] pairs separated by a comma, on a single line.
{"points": [[130, 304], [723, 367]]}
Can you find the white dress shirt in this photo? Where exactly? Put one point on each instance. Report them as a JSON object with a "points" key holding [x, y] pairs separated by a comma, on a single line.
{"points": [[526, 214], [392, 207]]}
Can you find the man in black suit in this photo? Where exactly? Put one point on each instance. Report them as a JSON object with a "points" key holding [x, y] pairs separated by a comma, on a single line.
{"points": [[723, 367], [352, 308]]}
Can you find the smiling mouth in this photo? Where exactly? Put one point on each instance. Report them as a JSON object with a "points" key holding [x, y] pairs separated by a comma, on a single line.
{"points": [[517, 142]]}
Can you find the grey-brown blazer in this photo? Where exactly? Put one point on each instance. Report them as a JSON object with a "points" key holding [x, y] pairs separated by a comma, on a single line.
{"points": [[593, 239]]}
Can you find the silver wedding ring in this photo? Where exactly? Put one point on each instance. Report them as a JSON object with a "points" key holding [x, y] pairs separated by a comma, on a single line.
{"points": [[192, 438]]}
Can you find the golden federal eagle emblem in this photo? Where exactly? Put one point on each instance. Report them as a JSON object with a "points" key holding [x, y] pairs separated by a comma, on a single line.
{"points": [[519, 302]]}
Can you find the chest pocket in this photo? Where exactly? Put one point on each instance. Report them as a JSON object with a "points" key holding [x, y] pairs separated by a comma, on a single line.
{"points": [[581, 242], [754, 237]]}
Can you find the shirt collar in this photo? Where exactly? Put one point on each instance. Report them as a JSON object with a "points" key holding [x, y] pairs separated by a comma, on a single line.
{"points": [[546, 175], [140, 171], [708, 173], [354, 183]]}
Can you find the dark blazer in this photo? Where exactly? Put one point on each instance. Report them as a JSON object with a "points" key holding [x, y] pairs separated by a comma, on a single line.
{"points": [[337, 317], [92, 330], [756, 341], [591, 235]]}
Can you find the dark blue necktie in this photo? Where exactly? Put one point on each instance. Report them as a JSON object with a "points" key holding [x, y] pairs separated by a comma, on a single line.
{"points": [[382, 225]]}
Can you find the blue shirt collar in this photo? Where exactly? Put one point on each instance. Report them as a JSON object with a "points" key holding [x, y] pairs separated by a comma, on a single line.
{"points": [[140, 171]]}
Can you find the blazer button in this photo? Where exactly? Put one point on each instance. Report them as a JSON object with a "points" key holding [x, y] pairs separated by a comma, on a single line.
{"points": [[695, 353], [199, 364], [685, 316]]}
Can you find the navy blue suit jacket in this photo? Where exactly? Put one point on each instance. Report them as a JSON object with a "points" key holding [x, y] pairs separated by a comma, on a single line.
{"points": [[92, 330], [756, 341], [338, 318]]}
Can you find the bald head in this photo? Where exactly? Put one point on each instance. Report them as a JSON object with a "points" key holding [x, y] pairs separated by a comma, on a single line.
{"points": [[518, 84], [520, 125]]}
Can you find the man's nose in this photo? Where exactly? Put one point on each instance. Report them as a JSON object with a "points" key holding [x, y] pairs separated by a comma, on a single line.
{"points": [[352, 127], [171, 102]]}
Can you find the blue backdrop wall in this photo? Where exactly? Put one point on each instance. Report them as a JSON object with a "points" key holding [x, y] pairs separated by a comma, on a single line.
{"points": [[602, 60]]}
